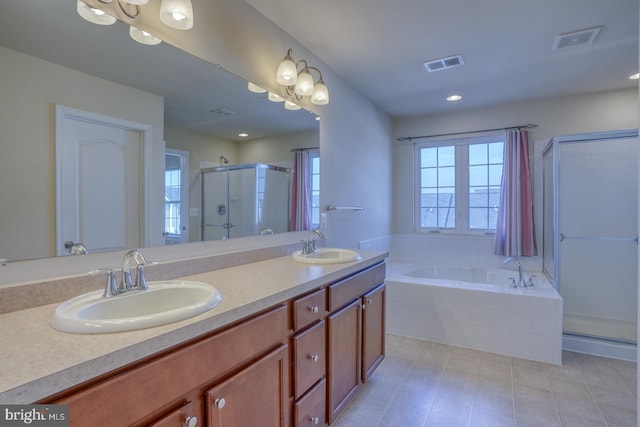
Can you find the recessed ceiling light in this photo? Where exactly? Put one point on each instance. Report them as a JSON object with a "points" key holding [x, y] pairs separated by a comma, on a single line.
{"points": [[243, 135], [635, 76], [453, 98]]}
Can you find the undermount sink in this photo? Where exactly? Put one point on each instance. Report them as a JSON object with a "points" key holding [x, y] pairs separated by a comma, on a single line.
{"points": [[327, 256], [164, 302]]}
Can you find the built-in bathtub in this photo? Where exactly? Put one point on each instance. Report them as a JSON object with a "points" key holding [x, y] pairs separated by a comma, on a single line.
{"points": [[475, 307]]}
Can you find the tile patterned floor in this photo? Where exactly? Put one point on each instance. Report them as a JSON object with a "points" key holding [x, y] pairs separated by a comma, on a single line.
{"points": [[428, 384]]}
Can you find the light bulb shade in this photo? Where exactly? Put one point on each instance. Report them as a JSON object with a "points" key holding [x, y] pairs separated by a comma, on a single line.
{"points": [[143, 37], [255, 88], [291, 106], [177, 14], [320, 94], [95, 16], [275, 97], [137, 2], [304, 85], [287, 74]]}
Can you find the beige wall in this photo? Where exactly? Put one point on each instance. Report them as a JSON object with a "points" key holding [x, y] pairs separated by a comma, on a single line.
{"points": [[277, 150], [30, 90]]}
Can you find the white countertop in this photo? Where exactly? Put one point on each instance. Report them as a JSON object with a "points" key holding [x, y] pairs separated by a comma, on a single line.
{"points": [[38, 361]]}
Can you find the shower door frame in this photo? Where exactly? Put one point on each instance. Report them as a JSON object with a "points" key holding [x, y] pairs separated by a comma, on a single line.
{"points": [[554, 144]]}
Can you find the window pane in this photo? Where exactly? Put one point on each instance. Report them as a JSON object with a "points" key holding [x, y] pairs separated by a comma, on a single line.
{"points": [[429, 157], [478, 154], [429, 177], [478, 197], [478, 218], [428, 218], [446, 156], [446, 177], [429, 198], [446, 218], [478, 175], [495, 174], [495, 152]]}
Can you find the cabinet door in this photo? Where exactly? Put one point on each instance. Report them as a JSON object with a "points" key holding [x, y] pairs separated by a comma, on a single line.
{"points": [[256, 396], [310, 411], [343, 330], [373, 304]]}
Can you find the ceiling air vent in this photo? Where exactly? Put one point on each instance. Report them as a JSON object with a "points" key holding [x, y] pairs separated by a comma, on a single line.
{"points": [[221, 114], [443, 63], [577, 38]]}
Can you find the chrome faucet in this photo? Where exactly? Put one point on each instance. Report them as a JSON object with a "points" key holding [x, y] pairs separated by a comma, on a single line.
{"points": [[521, 281], [311, 246], [141, 261]]}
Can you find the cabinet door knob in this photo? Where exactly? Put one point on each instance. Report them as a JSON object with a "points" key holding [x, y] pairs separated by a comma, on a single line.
{"points": [[191, 421], [313, 308], [219, 403], [314, 420], [314, 357]]}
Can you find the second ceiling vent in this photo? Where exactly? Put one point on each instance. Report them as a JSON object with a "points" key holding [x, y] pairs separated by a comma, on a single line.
{"points": [[576, 38], [444, 63]]}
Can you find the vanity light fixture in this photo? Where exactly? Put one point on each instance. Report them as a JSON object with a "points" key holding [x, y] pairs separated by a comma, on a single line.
{"points": [[274, 97], [95, 16], [298, 82], [177, 14], [143, 37], [255, 88], [291, 105]]}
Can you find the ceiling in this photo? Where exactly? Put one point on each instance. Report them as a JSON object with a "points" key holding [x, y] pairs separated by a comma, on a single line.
{"points": [[191, 88], [379, 46]]}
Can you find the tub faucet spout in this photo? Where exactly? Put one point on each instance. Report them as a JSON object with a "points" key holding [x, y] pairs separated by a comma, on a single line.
{"points": [[521, 281]]}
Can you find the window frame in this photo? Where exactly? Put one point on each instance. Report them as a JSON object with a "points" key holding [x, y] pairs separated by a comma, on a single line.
{"points": [[461, 184]]}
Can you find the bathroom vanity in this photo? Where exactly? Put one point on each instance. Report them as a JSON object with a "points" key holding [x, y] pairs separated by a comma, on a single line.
{"points": [[289, 345]]}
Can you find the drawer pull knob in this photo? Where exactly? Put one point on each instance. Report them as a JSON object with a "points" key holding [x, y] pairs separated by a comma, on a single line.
{"points": [[220, 403], [314, 357], [313, 308], [314, 420], [191, 421]]}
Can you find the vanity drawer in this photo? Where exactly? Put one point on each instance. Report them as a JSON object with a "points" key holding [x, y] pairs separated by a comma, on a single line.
{"points": [[345, 291], [309, 308], [310, 410], [309, 356]]}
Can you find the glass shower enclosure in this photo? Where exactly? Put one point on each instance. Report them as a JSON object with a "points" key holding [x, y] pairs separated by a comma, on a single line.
{"points": [[590, 232], [244, 200]]}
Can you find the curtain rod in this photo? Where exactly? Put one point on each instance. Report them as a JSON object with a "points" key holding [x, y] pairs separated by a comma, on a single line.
{"points": [[411, 138], [305, 149]]}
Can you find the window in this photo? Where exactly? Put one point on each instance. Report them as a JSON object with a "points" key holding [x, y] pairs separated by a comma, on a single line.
{"points": [[459, 184], [314, 162]]}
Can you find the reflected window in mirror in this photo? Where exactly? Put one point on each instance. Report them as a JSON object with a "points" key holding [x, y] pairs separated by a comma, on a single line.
{"points": [[314, 163]]}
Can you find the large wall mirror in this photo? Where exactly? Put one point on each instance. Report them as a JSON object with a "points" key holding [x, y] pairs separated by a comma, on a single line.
{"points": [[193, 113]]}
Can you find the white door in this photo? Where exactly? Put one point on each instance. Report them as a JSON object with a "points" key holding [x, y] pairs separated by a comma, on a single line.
{"points": [[176, 197], [99, 174]]}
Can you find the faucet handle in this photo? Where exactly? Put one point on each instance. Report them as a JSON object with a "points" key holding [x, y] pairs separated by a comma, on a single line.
{"points": [[513, 282], [111, 286]]}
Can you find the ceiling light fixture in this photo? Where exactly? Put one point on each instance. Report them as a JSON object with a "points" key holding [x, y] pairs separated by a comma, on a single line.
{"points": [[298, 81], [177, 14], [453, 98], [243, 135], [635, 76]]}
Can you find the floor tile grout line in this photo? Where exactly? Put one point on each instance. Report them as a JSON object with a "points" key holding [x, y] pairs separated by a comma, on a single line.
{"points": [[444, 367]]}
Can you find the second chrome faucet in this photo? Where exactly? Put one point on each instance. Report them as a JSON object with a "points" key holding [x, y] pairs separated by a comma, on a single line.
{"points": [[112, 287]]}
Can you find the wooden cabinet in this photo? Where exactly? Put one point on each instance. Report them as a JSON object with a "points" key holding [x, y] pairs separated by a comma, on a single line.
{"points": [[256, 396], [373, 309], [355, 337], [310, 410]]}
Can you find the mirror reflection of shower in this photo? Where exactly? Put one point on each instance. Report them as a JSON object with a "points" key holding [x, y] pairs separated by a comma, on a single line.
{"points": [[223, 160]]}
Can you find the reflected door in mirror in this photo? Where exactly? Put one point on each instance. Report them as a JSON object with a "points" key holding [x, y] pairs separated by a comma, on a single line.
{"points": [[99, 185]]}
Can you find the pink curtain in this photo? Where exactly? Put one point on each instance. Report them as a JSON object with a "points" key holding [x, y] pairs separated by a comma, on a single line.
{"points": [[515, 233], [300, 218]]}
